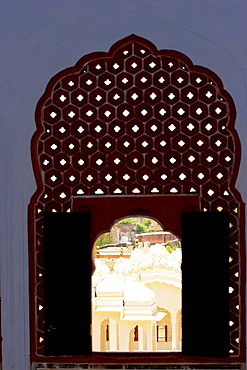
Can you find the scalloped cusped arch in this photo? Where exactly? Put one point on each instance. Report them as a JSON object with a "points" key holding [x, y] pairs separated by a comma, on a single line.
{"points": [[135, 121]]}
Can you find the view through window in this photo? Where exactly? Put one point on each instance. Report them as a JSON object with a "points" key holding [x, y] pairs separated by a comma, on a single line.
{"points": [[136, 288]]}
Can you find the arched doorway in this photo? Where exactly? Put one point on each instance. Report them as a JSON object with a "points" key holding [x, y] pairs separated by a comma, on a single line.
{"points": [[133, 278], [137, 339]]}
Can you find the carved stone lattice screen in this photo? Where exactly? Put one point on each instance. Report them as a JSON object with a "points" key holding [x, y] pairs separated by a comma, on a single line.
{"points": [[136, 121]]}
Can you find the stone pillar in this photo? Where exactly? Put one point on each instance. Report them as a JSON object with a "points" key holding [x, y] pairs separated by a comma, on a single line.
{"points": [[113, 334], [123, 337], [96, 328], [140, 338], [150, 336], [174, 332], [153, 333]]}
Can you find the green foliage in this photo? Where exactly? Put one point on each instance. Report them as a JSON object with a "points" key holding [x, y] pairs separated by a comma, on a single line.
{"points": [[147, 221], [140, 227], [103, 240], [169, 249], [127, 221]]}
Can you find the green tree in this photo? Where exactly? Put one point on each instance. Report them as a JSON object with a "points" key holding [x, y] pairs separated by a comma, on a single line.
{"points": [[141, 228], [147, 221], [103, 240], [127, 221]]}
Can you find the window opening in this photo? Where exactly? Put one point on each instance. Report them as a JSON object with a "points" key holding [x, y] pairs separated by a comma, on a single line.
{"points": [[137, 280], [140, 122]]}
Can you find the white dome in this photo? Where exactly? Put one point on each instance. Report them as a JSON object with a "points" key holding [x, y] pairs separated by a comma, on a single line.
{"points": [[112, 285], [138, 293]]}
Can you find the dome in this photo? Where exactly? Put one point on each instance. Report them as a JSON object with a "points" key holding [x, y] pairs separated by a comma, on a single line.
{"points": [[112, 285], [138, 293]]}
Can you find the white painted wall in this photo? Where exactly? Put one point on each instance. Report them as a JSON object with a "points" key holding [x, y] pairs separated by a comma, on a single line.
{"points": [[40, 38]]}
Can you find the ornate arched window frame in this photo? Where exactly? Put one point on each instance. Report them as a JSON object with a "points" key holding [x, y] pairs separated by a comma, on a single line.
{"points": [[139, 122]]}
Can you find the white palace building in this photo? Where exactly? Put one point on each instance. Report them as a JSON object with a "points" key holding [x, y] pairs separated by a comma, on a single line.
{"points": [[137, 301]]}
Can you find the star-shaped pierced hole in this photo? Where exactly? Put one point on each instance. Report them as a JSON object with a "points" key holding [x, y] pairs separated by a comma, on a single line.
{"points": [[107, 82], [62, 98], [209, 158], [98, 97], [152, 64], [171, 96], [172, 127], [134, 96], [108, 145], [190, 126], [99, 162], [182, 176], [81, 162], [62, 130], [180, 111], [210, 192], [155, 160], [135, 128], [108, 177], [80, 129], [79, 97], [98, 128], [117, 128], [89, 113], [162, 111], [163, 177], [209, 94], [181, 143], [126, 113], [63, 162], [71, 114], [126, 177], [153, 96], [218, 110], [172, 160], [208, 126]]}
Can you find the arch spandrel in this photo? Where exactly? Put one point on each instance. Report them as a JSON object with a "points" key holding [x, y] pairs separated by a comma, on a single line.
{"points": [[137, 121]]}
